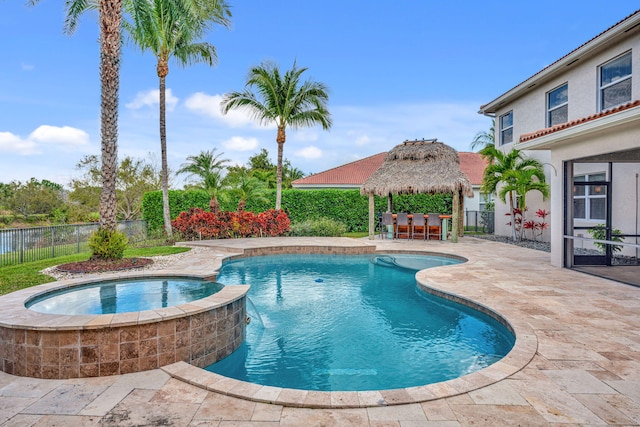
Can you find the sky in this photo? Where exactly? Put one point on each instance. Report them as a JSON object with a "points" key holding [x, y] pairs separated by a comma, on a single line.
{"points": [[395, 71]]}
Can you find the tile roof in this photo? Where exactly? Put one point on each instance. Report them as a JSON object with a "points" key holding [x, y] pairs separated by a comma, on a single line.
{"points": [[546, 131], [356, 173], [473, 165]]}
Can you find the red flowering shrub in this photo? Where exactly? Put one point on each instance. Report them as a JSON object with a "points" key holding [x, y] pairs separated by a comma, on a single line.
{"points": [[199, 224], [274, 223]]}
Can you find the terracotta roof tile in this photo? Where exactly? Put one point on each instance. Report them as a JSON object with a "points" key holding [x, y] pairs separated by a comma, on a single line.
{"points": [[473, 165], [356, 173], [546, 131]]}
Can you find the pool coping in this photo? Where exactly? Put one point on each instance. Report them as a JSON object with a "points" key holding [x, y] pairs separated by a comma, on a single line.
{"points": [[15, 315], [523, 351]]}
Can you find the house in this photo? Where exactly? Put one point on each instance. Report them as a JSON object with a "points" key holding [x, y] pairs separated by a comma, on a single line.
{"points": [[580, 116], [352, 175]]}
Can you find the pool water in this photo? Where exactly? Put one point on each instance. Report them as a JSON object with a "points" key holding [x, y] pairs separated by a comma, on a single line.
{"points": [[351, 323], [124, 295]]}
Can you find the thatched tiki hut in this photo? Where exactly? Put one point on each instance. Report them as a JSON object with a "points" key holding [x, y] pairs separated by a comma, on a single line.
{"points": [[425, 166]]}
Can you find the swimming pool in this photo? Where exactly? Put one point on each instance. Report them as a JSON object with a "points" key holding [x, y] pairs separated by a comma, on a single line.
{"points": [[356, 322], [124, 295]]}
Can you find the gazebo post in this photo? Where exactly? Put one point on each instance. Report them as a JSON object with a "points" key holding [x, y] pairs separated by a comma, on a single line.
{"points": [[371, 219], [389, 202], [461, 220], [455, 213]]}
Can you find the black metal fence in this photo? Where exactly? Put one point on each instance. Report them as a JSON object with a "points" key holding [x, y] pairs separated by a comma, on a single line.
{"points": [[479, 221], [18, 245]]}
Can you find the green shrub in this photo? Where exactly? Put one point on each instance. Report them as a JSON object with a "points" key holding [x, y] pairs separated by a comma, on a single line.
{"points": [[179, 201], [7, 219], [599, 232], [348, 207], [322, 227], [107, 245]]}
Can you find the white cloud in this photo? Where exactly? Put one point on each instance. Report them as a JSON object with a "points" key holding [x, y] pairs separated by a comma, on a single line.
{"points": [[27, 67], [14, 144], [44, 136], [362, 140], [309, 152], [151, 98], [65, 135], [238, 143], [209, 105]]}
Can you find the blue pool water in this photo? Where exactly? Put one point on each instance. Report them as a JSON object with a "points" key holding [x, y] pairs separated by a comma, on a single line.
{"points": [[125, 295], [349, 323]]}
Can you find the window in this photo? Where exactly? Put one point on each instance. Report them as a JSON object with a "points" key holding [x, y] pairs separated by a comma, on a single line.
{"points": [[590, 201], [486, 201], [506, 128], [558, 105], [615, 82]]}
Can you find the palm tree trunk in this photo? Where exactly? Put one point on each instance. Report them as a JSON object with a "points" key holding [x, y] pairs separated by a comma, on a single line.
{"points": [[163, 149], [110, 12], [280, 140]]}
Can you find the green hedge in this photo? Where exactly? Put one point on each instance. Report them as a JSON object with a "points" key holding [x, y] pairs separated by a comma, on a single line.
{"points": [[346, 206], [179, 201]]}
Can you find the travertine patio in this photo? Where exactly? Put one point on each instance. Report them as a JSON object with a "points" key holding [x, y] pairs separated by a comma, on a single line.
{"points": [[586, 370]]}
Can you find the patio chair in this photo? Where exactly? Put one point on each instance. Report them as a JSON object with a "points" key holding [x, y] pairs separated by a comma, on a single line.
{"points": [[418, 223], [434, 226], [386, 221], [402, 225]]}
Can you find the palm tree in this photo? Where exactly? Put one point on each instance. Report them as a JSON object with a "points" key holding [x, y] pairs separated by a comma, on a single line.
{"points": [[290, 173], [283, 100], [511, 169], [171, 28], [268, 176], [109, 20], [208, 167], [247, 187], [522, 181], [483, 138]]}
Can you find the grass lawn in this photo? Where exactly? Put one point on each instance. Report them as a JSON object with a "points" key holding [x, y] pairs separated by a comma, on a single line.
{"points": [[356, 234], [15, 277]]}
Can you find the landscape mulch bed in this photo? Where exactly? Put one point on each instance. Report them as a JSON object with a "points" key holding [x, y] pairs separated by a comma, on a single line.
{"points": [[101, 266]]}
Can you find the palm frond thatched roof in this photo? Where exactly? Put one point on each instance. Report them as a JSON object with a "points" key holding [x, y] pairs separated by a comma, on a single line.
{"points": [[422, 166]]}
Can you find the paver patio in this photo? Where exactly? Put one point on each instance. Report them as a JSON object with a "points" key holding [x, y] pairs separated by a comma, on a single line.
{"points": [[586, 370]]}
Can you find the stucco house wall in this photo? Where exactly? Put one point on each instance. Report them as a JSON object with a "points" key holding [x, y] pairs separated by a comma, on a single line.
{"points": [[591, 132]]}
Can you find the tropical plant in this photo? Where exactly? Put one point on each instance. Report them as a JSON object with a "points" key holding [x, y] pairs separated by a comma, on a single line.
{"points": [[171, 28], [198, 224], [241, 184], [520, 182], [290, 174], [208, 167], [485, 139], [512, 175], [537, 227], [284, 100], [599, 232]]}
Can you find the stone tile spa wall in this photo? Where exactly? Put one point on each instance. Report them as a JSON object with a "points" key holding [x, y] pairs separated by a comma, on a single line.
{"points": [[60, 347]]}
